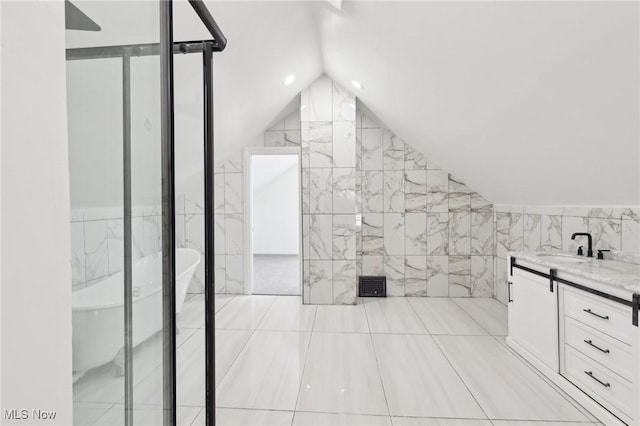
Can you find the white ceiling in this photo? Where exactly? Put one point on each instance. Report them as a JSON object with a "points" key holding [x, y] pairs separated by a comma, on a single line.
{"points": [[528, 102]]}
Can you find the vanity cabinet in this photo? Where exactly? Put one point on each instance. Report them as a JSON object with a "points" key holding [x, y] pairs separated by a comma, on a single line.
{"points": [[580, 333], [533, 316]]}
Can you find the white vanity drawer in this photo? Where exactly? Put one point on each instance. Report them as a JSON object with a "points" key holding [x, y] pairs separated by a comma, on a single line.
{"points": [[603, 385], [609, 352], [608, 317]]}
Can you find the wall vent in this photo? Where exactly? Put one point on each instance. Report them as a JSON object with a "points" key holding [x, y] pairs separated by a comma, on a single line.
{"points": [[370, 286]]}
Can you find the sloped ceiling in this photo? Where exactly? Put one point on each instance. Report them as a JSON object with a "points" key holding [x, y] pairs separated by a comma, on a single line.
{"points": [[529, 102]]}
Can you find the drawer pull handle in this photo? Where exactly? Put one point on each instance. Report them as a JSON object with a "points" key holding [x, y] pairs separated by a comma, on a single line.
{"points": [[589, 311], [590, 343], [590, 374]]}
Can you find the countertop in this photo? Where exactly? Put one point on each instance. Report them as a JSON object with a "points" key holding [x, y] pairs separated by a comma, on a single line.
{"points": [[617, 274]]}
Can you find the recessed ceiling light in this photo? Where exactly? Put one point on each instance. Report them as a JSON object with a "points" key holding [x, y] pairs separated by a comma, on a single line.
{"points": [[357, 84], [287, 81]]}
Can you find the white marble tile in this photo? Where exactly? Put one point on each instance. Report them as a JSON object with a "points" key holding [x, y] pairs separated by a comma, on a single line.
{"points": [[630, 236], [274, 138], [344, 190], [321, 282], [516, 232], [437, 276], [394, 233], [305, 148], [606, 233], [137, 231], [293, 138], [414, 160], [482, 233], [320, 236], [373, 265], [437, 233], [392, 151], [344, 282], [442, 316], [459, 276], [234, 233], [192, 313], [393, 191], [242, 417], [371, 149], [344, 236], [115, 237], [489, 313], [320, 103], [243, 312], [234, 273], [96, 249], [229, 343], [423, 421], [234, 163], [218, 192], [320, 144], [392, 315], [267, 372], [631, 213], [415, 191], [181, 236], [344, 104], [220, 273], [482, 276], [532, 230], [341, 319], [221, 300], [323, 419], [437, 191], [372, 191], [306, 282], [415, 233], [538, 423], [503, 221], [481, 359], [336, 383], [551, 233], [460, 233], [194, 231], [500, 290], [415, 387], [372, 234], [344, 144], [415, 275], [305, 190], [306, 247], [479, 203], [571, 224], [77, 254], [459, 195], [321, 190], [287, 313], [394, 271], [233, 190], [219, 233]]}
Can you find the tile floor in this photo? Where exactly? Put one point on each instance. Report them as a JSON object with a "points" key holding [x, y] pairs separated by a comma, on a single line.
{"points": [[395, 361]]}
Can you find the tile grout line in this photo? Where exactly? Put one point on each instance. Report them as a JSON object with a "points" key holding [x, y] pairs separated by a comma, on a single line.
{"points": [[472, 318], [375, 355], [461, 379], [304, 366]]}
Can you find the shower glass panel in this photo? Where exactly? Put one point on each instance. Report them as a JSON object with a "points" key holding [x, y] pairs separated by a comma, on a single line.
{"points": [[114, 122]]}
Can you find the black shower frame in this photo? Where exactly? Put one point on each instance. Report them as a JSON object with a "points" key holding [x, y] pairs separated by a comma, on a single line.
{"points": [[166, 48]]}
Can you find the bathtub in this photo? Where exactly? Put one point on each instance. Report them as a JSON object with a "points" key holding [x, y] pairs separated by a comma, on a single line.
{"points": [[98, 310]]}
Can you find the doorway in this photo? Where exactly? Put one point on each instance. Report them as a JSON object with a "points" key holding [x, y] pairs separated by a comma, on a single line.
{"points": [[273, 221]]}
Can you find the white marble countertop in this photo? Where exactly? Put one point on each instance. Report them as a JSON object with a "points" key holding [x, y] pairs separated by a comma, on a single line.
{"points": [[617, 274]]}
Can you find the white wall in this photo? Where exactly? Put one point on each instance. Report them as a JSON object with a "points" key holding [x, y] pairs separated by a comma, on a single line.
{"points": [[275, 204], [36, 295]]}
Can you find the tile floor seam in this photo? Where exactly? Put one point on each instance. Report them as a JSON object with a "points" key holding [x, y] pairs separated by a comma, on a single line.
{"points": [[375, 354], [419, 318], [304, 366], [193, 422], [460, 377], [472, 318]]}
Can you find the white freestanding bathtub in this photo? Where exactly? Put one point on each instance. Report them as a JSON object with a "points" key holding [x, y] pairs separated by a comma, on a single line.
{"points": [[98, 310]]}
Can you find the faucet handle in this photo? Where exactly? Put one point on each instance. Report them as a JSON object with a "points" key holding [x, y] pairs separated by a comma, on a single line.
{"points": [[601, 253], [580, 251]]}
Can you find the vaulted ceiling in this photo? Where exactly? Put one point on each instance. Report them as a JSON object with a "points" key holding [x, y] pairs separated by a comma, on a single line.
{"points": [[529, 102]]}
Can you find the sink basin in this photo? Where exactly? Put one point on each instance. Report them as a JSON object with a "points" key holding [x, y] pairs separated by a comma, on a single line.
{"points": [[562, 257]]}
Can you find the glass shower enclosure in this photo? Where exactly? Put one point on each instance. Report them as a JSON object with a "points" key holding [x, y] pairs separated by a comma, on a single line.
{"points": [[137, 284]]}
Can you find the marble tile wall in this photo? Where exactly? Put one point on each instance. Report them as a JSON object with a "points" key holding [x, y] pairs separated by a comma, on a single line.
{"points": [[424, 229], [372, 205], [549, 228]]}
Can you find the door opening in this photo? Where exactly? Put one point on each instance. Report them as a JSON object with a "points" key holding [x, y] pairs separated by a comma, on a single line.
{"points": [[274, 210]]}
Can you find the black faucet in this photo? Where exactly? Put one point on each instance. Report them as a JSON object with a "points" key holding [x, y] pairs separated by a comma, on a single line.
{"points": [[589, 241]]}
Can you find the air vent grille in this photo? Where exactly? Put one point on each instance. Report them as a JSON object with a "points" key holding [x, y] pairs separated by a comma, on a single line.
{"points": [[371, 286]]}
